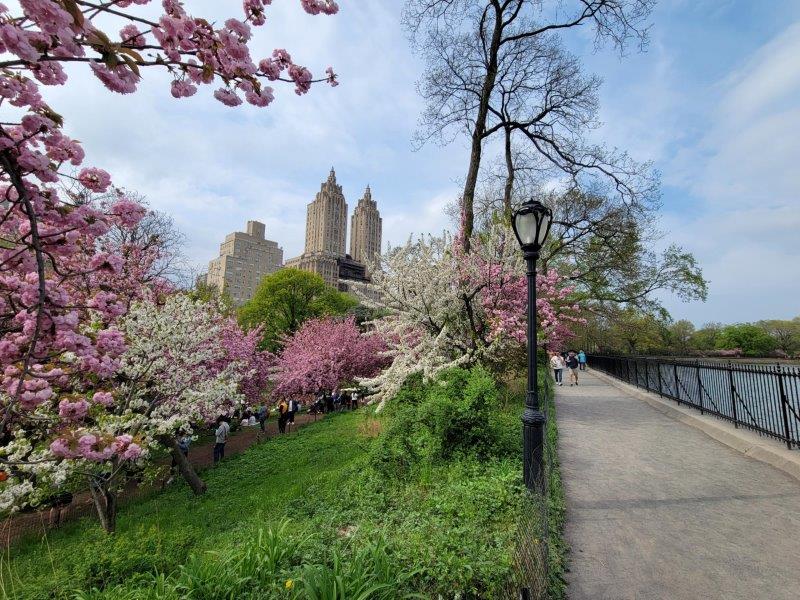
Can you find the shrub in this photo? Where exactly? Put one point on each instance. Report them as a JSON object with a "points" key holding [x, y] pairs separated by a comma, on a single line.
{"points": [[434, 422]]}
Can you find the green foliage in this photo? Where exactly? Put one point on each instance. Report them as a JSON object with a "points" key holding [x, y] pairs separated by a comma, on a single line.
{"points": [[284, 300], [447, 528], [752, 339], [434, 422], [786, 334], [208, 293], [680, 335], [370, 573], [608, 248], [113, 559], [633, 331]]}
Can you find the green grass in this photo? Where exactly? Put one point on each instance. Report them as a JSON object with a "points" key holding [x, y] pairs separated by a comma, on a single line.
{"points": [[447, 525], [556, 513], [247, 491]]}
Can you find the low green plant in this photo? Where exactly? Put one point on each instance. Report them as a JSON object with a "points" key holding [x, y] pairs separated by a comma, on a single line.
{"points": [[369, 574]]}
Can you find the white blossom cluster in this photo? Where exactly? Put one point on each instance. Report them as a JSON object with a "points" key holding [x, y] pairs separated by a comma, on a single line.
{"points": [[172, 368], [428, 292]]}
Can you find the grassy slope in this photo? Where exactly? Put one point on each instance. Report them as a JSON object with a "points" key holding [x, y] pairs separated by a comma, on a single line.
{"points": [[250, 489], [453, 525]]}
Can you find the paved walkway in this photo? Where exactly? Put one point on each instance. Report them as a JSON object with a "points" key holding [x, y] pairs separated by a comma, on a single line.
{"points": [[658, 510]]}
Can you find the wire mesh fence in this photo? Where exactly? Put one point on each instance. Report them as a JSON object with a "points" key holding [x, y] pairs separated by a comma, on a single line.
{"points": [[762, 397], [532, 568]]}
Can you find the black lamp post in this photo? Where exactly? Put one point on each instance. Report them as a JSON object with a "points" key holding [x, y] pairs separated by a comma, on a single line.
{"points": [[531, 225]]}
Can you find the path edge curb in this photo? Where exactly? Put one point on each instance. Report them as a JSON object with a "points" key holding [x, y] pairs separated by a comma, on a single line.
{"points": [[744, 441]]}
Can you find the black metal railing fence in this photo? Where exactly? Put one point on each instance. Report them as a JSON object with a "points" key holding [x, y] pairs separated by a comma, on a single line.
{"points": [[761, 397]]}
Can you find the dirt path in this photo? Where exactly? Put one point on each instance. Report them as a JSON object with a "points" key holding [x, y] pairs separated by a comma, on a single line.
{"points": [[201, 456]]}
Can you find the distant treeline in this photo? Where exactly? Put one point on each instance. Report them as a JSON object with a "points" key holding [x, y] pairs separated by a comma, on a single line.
{"points": [[633, 332]]}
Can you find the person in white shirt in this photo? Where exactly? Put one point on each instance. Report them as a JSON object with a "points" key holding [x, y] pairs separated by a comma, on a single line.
{"points": [[558, 365], [221, 436]]}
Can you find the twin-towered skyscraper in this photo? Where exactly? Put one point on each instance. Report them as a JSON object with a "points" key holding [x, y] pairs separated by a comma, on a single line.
{"points": [[326, 233], [247, 257]]}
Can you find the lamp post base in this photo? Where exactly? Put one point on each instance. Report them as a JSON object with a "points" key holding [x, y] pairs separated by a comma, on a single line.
{"points": [[533, 421]]}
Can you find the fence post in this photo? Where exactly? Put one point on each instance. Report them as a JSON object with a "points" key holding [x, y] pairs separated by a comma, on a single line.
{"points": [[628, 370], [677, 382], [647, 374], [733, 395], [700, 387], [784, 403], [636, 371], [658, 369]]}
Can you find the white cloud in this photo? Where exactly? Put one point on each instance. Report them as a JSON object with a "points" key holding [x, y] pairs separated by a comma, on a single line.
{"points": [[213, 167], [745, 169]]}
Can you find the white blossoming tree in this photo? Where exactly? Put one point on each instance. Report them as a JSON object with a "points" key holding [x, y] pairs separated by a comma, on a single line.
{"points": [[443, 307], [173, 375]]}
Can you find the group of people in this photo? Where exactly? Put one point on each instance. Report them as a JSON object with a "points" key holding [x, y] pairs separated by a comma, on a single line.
{"points": [[327, 401], [324, 402], [567, 360]]}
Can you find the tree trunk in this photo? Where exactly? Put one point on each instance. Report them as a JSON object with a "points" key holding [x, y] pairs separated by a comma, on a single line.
{"points": [[479, 131], [105, 501], [184, 466], [509, 189]]}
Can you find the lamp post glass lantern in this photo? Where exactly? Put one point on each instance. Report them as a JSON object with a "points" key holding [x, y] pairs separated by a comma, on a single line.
{"points": [[531, 224]]}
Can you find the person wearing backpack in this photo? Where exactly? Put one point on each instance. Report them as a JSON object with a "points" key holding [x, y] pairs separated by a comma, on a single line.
{"points": [[572, 365], [582, 360], [221, 434]]}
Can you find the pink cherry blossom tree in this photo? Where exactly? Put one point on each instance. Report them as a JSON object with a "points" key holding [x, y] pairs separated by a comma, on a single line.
{"points": [[252, 365], [40, 225], [61, 288], [172, 376], [325, 353]]}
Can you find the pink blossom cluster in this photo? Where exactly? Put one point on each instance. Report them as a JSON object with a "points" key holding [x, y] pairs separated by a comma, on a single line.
{"points": [[325, 353], [251, 364], [96, 448], [505, 301], [196, 52], [502, 292]]}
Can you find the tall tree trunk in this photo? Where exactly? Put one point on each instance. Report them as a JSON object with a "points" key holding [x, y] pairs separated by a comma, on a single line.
{"points": [[105, 502], [479, 131], [184, 466], [509, 189]]}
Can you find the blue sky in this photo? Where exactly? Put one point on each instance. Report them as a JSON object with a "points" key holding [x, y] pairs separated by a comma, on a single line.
{"points": [[715, 103]]}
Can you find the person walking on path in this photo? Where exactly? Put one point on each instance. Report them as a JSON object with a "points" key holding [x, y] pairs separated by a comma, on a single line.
{"points": [[222, 433], [572, 365], [183, 445], [558, 365], [292, 409], [283, 415], [263, 415], [582, 360]]}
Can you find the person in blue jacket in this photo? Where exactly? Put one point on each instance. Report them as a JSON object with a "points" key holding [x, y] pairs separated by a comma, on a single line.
{"points": [[582, 360]]}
